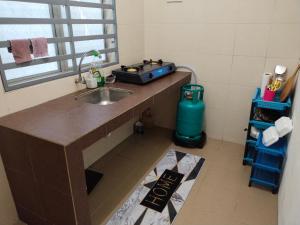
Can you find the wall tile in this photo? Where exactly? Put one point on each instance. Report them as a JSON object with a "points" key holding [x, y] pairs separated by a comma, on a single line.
{"points": [[287, 11], [215, 95], [209, 68], [247, 71], [213, 68], [184, 12], [130, 12], [252, 39], [131, 43], [290, 63], [216, 11], [239, 97], [235, 123], [214, 122], [255, 11], [284, 41], [213, 38]]}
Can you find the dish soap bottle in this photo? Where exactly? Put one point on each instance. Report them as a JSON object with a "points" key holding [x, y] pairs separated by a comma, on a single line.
{"points": [[95, 69]]}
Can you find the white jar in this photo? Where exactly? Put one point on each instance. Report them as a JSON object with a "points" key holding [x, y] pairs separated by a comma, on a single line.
{"points": [[91, 82]]}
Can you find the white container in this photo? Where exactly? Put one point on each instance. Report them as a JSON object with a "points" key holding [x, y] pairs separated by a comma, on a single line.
{"points": [[265, 80], [270, 136], [91, 82], [254, 132], [284, 126]]}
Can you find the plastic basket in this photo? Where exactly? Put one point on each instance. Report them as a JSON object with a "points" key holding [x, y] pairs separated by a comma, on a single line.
{"points": [[276, 104], [260, 124], [264, 177], [267, 161], [277, 149], [250, 153]]}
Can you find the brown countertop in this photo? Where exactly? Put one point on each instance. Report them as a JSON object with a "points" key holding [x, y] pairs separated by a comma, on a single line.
{"points": [[65, 121]]}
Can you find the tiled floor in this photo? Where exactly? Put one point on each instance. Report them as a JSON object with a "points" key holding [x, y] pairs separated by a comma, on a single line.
{"points": [[220, 196]]}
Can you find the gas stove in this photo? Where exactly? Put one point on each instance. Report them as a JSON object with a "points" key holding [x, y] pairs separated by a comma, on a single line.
{"points": [[144, 72]]}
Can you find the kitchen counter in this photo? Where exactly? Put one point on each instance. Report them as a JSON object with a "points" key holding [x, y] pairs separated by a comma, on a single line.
{"points": [[41, 148], [64, 120]]}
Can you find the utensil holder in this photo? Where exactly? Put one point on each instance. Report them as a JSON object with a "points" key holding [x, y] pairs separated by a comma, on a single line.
{"points": [[269, 95]]}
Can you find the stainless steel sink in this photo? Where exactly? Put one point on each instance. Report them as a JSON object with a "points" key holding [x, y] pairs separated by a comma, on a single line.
{"points": [[104, 95]]}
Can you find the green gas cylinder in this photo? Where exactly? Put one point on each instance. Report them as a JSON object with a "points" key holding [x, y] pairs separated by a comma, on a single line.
{"points": [[190, 116]]}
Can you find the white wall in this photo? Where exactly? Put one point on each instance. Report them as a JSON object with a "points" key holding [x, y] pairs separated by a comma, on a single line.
{"points": [[289, 195], [230, 43], [131, 47]]}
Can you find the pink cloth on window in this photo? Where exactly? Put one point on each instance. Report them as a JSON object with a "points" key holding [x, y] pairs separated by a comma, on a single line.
{"points": [[40, 47], [21, 50]]}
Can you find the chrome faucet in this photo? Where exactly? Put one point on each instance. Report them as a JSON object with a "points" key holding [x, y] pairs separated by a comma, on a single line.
{"points": [[81, 79]]}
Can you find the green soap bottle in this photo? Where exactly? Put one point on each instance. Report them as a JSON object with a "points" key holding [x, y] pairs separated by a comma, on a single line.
{"points": [[100, 78], [95, 70]]}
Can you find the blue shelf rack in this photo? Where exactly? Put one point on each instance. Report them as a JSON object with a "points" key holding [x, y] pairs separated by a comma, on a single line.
{"points": [[275, 105], [267, 162]]}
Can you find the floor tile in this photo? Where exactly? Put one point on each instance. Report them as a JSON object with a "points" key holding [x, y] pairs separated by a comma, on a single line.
{"points": [[220, 196]]}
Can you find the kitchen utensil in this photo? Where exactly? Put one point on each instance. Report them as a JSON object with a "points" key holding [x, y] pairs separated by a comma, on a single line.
{"points": [[280, 70], [290, 85]]}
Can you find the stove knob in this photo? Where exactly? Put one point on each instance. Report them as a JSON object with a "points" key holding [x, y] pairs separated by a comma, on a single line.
{"points": [[160, 62], [123, 68], [150, 75]]}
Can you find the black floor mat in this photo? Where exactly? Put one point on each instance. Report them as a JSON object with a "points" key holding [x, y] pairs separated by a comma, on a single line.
{"points": [[92, 179]]}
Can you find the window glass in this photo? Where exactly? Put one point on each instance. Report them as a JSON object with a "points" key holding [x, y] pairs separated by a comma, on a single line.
{"points": [[84, 46], [58, 34], [87, 29], [24, 10], [85, 13], [31, 70], [91, 1]]}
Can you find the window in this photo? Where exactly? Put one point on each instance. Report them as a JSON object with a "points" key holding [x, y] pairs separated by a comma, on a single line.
{"points": [[72, 27]]}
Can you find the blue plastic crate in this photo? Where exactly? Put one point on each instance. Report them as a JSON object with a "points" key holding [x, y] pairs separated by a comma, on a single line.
{"points": [[276, 104], [267, 161], [249, 157], [264, 177], [260, 124], [277, 149]]}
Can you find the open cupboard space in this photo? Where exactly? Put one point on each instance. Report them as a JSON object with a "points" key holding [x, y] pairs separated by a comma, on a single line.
{"points": [[53, 130]]}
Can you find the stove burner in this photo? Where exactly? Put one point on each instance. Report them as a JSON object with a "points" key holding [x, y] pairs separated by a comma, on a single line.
{"points": [[131, 69], [151, 62]]}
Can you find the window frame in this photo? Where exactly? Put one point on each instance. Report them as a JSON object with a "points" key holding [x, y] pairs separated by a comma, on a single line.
{"points": [[27, 81]]}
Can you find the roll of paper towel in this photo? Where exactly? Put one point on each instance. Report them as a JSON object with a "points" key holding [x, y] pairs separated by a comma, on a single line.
{"points": [[265, 80]]}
